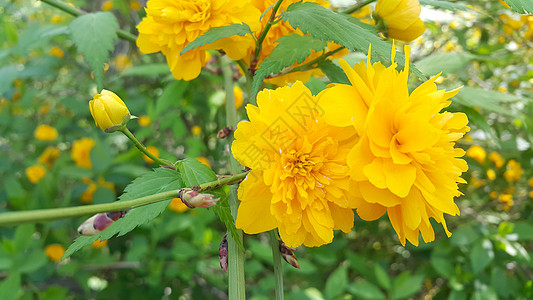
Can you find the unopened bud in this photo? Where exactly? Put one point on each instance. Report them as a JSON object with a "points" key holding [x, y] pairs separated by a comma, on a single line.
{"points": [[288, 255], [223, 254], [99, 222], [194, 199], [223, 133]]}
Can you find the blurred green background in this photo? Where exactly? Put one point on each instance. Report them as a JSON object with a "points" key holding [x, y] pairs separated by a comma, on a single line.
{"points": [[44, 81]]}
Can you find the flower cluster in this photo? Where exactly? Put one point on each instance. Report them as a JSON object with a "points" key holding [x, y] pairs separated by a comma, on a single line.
{"points": [[369, 145]]}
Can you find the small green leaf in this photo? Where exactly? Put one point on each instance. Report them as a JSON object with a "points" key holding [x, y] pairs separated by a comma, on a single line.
{"points": [[337, 282], [146, 70], [499, 281], [488, 100], [481, 255], [521, 6], [23, 236], [523, 230], [444, 4], [446, 63], [291, 48], [406, 285], [94, 34], [334, 72], [443, 265], [171, 95], [160, 180], [10, 287], [464, 236], [382, 277], [217, 33], [365, 290]]}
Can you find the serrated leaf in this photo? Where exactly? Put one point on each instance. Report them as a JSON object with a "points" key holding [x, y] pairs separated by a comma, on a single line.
{"points": [[365, 290], [337, 282], [333, 72], [444, 4], [346, 31], [521, 6], [160, 180], [481, 255], [291, 48], [217, 33], [94, 35]]}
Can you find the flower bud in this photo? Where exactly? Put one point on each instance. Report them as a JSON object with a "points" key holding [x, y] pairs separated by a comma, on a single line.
{"points": [[109, 111], [99, 222], [194, 199], [288, 255], [223, 254], [223, 133]]}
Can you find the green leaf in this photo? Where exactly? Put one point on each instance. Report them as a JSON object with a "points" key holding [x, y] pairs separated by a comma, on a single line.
{"points": [[499, 281], [217, 33], [160, 180], [23, 236], [94, 35], [382, 277], [406, 285], [521, 6], [446, 63], [444, 4], [523, 230], [481, 255], [337, 282], [171, 95], [488, 100], [10, 287], [442, 265], [146, 70], [291, 48], [346, 31], [365, 290], [334, 72]]}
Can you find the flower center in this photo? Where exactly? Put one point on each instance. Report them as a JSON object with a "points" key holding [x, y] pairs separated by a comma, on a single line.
{"points": [[297, 164]]}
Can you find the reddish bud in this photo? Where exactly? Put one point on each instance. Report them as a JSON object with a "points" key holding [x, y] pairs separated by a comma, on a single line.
{"points": [[99, 222], [194, 199], [223, 254], [288, 255], [223, 133]]}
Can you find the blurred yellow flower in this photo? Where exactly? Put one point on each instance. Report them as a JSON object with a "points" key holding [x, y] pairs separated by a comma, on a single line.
{"points": [[514, 171], [364, 15], [98, 244], [54, 252], [45, 133], [144, 121], [204, 161], [35, 173], [177, 205], [491, 175], [530, 181], [497, 159], [135, 5], [401, 18], [477, 152], [404, 162], [169, 26], [152, 150], [87, 196], [475, 182], [49, 156], [81, 152], [108, 111], [502, 89], [122, 62], [57, 19], [530, 194], [299, 178], [493, 195], [196, 130], [238, 96], [44, 109], [507, 200], [107, 5], [57, 52]]}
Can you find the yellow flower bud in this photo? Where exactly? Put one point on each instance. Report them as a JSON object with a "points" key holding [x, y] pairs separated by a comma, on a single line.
{"points": [[109, 111], [196, 130]]}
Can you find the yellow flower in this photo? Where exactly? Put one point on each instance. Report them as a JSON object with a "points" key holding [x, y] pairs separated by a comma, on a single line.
{"points": [[135, 5], [491, 175], [493, 195], [152, 150], [57, 19], [497, 159], [49, 156], [177, 205], [81, 152], [45, 133], [57, 52], [401, 18], [109, 111], [530, 181], [171, 25], [35, 173], [299, 178], [507, 200], [238, 96], [196, 130], [530, 194], [98, 244], [514, 171], [122, 62], [107, 5], [54, 252], [404, 162], [144, 121], [477, 153], [87, 196], [204, 161]]}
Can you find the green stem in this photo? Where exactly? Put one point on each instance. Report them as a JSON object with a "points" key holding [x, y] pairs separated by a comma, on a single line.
{"points": [[276, 261], [78, 12], [141, 148], [266, 29], [42, 215], [357, 7], [236, 286]]}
